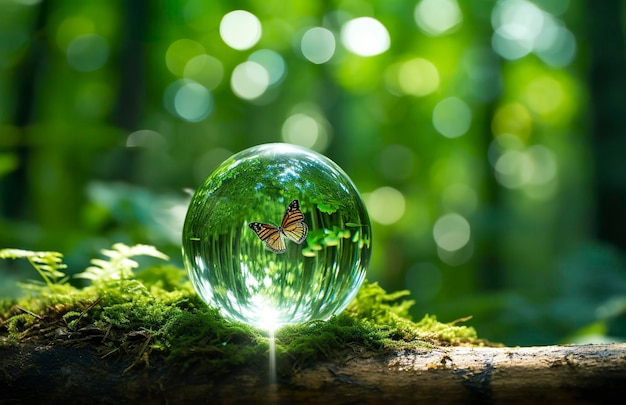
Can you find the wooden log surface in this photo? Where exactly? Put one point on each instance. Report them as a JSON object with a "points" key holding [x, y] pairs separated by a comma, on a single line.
{"points": [[576, 374]]}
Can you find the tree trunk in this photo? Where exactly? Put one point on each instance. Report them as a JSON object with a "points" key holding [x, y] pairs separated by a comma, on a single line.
{"points": [[608, 84], [581, 374]]}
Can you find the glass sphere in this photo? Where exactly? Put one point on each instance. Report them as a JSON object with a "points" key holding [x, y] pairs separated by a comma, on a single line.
{"points": [[277, 234]]}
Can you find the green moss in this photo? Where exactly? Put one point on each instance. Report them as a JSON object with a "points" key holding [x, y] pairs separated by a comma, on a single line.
{"points": [[157, 314]]}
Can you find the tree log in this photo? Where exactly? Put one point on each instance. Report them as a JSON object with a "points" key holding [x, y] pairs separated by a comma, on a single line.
{"points": [[577, 374]]}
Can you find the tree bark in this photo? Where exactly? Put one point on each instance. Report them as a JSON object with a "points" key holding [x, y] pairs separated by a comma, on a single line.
{"points": [[580, 374]]}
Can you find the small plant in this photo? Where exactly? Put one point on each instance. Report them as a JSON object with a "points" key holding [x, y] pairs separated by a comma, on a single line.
{"points": [[49, 265], [120, 265]]}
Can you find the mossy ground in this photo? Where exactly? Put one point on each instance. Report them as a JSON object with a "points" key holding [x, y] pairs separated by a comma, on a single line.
{"points": [[154, 314]]}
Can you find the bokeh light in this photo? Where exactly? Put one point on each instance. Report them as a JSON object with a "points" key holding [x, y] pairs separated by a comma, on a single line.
{"points": [[273, 63], [417, 77], [193, 102], [180, 53], [513, 119], [318, 45], [451, 232], [544, 95], [71, 28], [145, 138], [300, 129], [365, 36], [386, 205], [535, 165], [501, 144], [188, 100], [240, 29], [521, 27], [306, 126], [456, 257], [204, 69], [437, 17], [87, 53], [561, 46], [452, 117], [554, 7], [249, 80]]}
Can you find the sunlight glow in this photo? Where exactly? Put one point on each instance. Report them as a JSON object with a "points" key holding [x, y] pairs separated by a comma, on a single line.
{"points": [[266, 316]]}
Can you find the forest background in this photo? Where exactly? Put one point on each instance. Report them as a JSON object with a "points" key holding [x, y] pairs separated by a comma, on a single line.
{"points": [[486, 138]]}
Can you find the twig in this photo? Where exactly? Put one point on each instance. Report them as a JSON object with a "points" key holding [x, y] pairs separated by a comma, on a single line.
{"points": [[140, 355], [84, 311], [28, 312]]}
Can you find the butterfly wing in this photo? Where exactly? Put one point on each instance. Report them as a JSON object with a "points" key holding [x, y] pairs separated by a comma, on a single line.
{"points": [[270, 235], [293, 225], [296, 232]]}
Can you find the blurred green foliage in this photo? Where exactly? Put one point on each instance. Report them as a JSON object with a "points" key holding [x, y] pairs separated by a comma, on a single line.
{"points": [[484, 136]]}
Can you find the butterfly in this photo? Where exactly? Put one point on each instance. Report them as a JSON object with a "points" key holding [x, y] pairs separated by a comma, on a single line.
{"points": [[292, 227]]}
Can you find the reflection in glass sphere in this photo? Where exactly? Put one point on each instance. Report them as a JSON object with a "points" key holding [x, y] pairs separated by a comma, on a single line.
{"points": [[242, 269]]}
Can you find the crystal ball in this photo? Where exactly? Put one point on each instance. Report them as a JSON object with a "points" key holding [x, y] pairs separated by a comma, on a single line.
{"points": [[277, 234]]}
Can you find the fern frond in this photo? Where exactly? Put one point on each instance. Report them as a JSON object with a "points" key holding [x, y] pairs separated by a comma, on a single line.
{"points": [[47, 264], [119, 265]]}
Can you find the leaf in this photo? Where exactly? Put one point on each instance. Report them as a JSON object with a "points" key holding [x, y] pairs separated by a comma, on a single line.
{"points": [[47, 264], [120, 264]]}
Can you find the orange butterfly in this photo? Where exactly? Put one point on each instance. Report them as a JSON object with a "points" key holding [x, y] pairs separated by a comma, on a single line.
{"points": [[292, 227]]}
